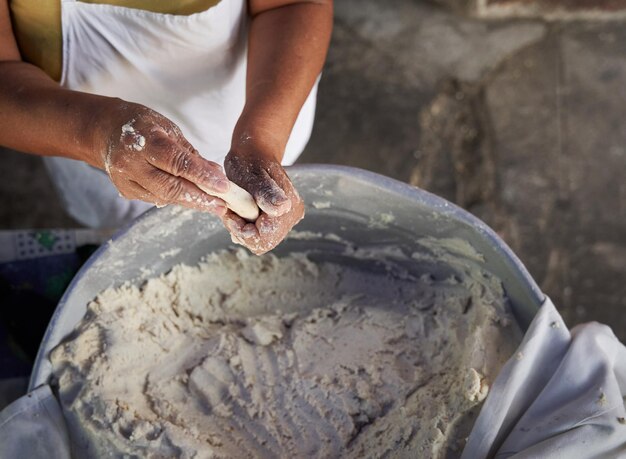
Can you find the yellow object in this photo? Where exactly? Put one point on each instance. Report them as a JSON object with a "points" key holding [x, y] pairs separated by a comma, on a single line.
{"points": [[37, 25]]}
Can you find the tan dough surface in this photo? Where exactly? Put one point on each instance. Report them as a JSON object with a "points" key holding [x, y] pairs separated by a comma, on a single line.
{"points": [[247, 356]]}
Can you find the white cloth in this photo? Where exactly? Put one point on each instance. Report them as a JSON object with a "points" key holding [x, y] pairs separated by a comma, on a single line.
{"points": [[559, 396], [192, 69], [33, 427]]}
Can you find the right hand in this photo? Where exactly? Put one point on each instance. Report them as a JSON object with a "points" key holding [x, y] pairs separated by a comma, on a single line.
{"points": [[148, 158]]}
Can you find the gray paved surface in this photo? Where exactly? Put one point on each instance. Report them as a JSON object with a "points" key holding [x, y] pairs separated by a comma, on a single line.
{"points": [[520, 122]]}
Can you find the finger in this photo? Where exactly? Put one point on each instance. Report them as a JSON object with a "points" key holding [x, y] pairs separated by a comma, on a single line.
{"points": [[245, 233], [256, 179], [268, 227], [188, 164], [261, 237], [156, 122], [270, 197], [182, 140], [133, 190], [169, 189], [239, 227], [271, 232]]}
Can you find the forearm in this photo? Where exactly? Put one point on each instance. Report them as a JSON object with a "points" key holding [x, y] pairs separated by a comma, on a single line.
{"points": [[287, 48], [39, 116]]}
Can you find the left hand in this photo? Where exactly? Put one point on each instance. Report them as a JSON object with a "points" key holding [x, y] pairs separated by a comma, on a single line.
{"points": [[281, 206]]}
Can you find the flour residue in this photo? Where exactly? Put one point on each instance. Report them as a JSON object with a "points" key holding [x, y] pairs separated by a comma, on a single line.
{"points": [[381, 220], [321, 204], [137, 141], [286, 357]]}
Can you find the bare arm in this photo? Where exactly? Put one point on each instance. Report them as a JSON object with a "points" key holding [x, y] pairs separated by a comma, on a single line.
{"points": [[288, 42], [36, 114], [287, 47], [39, 116]]}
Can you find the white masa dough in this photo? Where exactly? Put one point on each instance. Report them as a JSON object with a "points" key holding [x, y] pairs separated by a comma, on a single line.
{"points": [[239, 201], [247, 356]]}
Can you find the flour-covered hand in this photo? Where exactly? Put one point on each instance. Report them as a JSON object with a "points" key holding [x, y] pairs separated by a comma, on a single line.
{"points": [[148, 158], [281, 206]]}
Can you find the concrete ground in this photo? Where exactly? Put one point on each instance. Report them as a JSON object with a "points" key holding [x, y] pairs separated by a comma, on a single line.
{"points": [[520, 122]]}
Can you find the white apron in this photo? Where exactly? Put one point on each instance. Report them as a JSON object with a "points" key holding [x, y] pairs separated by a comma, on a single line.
{"points": [[192, 69]]}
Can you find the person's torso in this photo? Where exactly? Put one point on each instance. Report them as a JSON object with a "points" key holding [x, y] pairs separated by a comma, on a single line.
{"points": [[37, 25], [189, 67]]}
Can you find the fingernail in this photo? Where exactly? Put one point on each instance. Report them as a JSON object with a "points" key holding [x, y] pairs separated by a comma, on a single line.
{"points": [[277, 200], [248, 231], [277, 196], [222, 185]]}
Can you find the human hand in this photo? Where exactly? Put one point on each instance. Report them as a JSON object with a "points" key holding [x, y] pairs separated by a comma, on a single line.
{"points": [[281, 206], [148, 158]]}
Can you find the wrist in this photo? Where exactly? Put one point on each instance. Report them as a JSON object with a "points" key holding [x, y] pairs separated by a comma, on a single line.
{"points": [[98, 129], [259, 138], [107, 115], [249, 147]]}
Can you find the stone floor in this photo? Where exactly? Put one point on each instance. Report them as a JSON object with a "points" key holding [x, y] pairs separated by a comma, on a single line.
{"points": [[520, 122]]}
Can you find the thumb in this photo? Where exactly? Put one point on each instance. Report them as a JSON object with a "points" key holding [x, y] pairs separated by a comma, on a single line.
{"points": [[270, 197], [252, 174]]}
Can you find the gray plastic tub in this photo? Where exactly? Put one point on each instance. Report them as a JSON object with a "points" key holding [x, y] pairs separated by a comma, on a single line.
{"points": [[358, 206]]}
